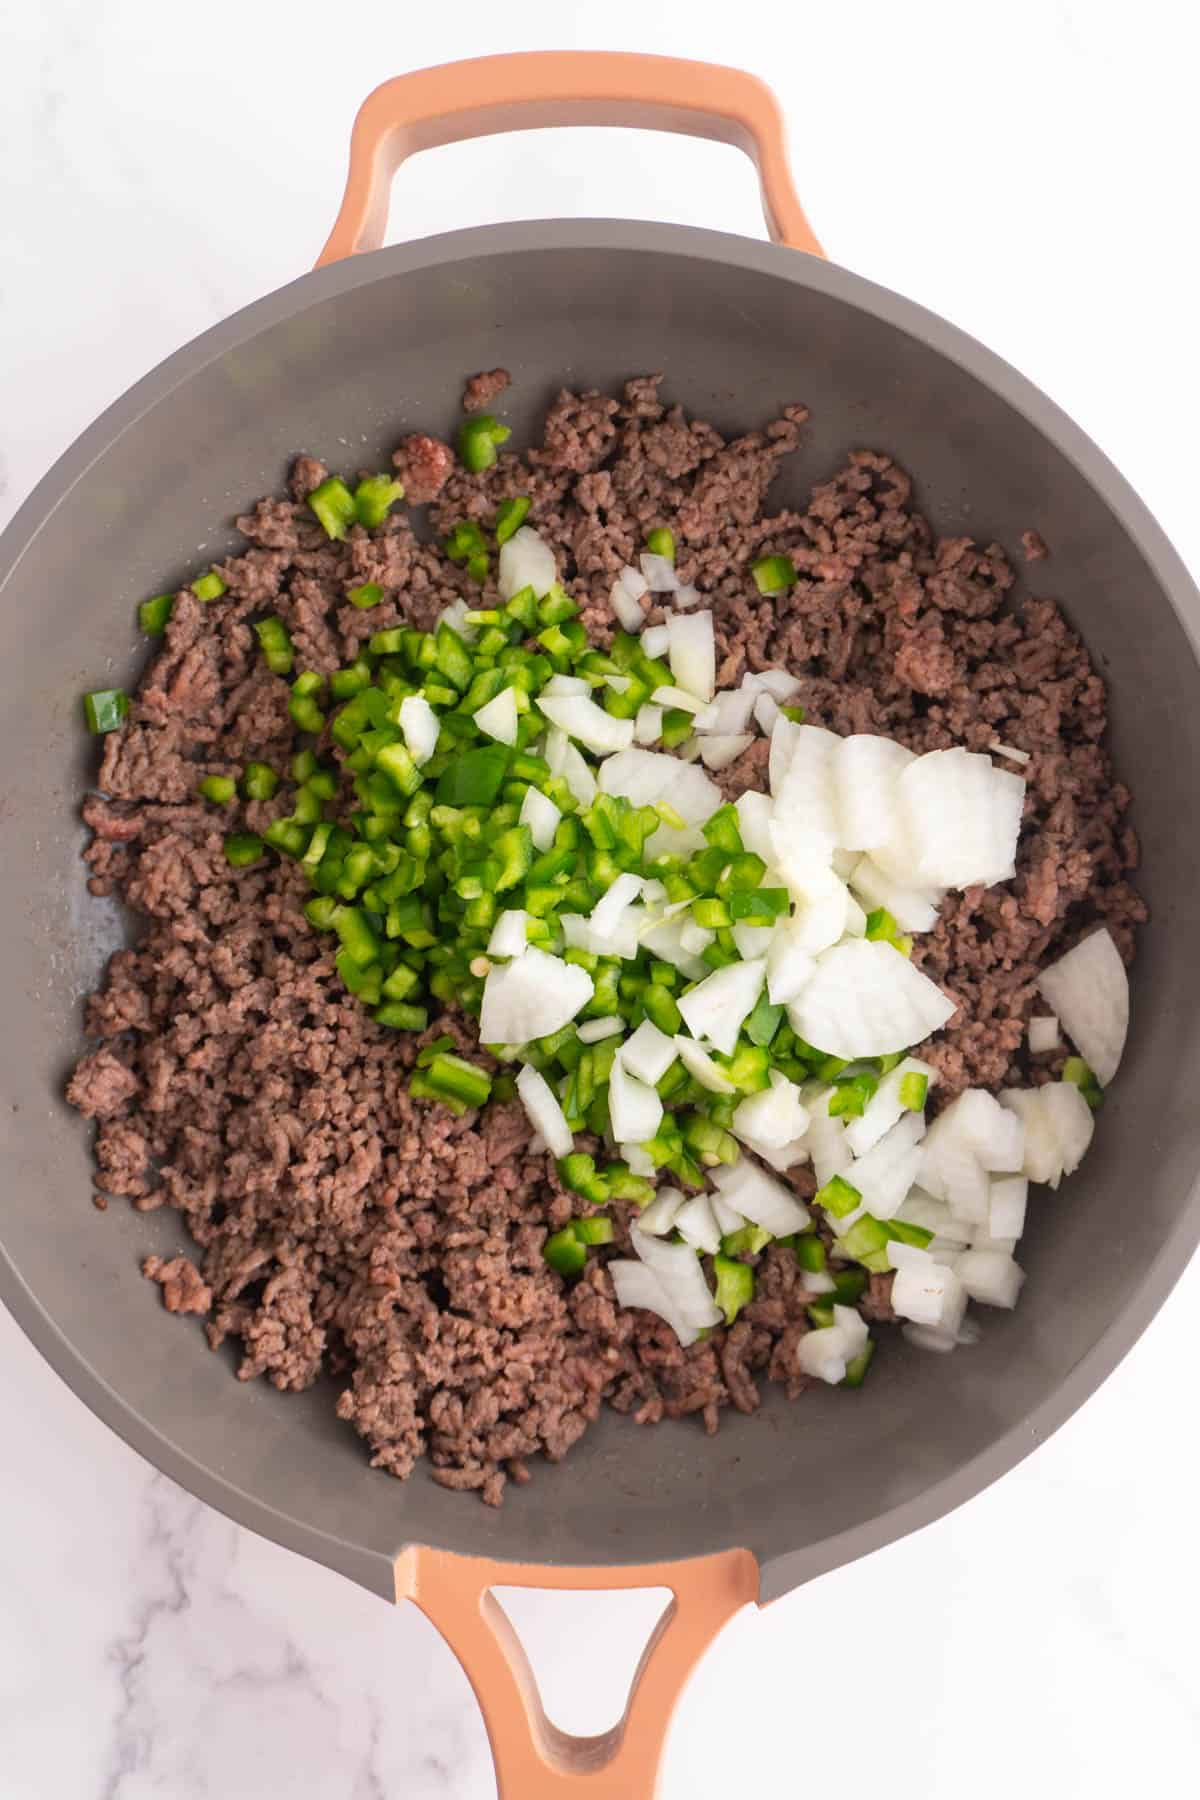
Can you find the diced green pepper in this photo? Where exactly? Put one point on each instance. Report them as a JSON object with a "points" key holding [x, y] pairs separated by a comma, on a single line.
{"points": [[209, 587], [773, 573], [373, 499], [838, 1197], [154, 614], [477, 441], [105, 709], [735, 1286], [333, 504], [369, 593], [242, 848], [276, 645], [510, 516]]}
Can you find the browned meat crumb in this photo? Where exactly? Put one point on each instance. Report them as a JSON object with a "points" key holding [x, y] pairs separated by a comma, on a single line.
{"points": [[424, 465], [1034, 546], [183, 1289], [338, 1223], [483, 388]]}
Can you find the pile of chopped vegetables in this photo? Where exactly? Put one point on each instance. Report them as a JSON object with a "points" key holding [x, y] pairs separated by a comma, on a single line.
{"points": [[717, 992]]}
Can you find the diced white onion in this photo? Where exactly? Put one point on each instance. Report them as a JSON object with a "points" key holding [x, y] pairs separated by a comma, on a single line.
{"points": [[508, 934], [695, 1223], [950, 1171], [777, 682], [753, 937], [1058, 1128], [805, 802], [542, 817], [639, 1161], [455, 616], [820, 897], [789, 965], [566, 684], [531, 997], [663, 941], [717, 751], [930, 1297], [692, 653], [775, 1116], [625, 608], [498, 719], [885, 1105], [638, 1287], [1007, 1199], [824, 1355], [755, 812], [679, 1270], [420, 726], [659, 573], [1089, 990], [914, 909], [729, 712], [990, 1277], [699, 1063], [1071, 1120], [867, 1000], [545, 1114], [657, 1218], [766, 711], [526, 560], [678, 700], [695, 938], [1044, 1035], [647, 724], [634, 1109], [761, 1199], [784, 737], [961, 815], [866, 769], [816, 1281], [685, 595], [716, 1007], [594, 1031], [646, 777], [992, 1133], [827, 1353], [727, 1218], [826, 1138], [616, 900], [1009, 750], [564, 759], [655, 639], [888, 1170], [623, 941], [649, 1053], [582, 719]]}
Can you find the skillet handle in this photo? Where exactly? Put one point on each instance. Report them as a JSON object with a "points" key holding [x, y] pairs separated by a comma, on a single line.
{"points": [[534, 1759], [528, 89]]}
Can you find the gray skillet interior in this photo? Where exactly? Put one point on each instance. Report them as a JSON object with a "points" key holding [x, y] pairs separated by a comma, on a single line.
{"points": [[339, 364]]}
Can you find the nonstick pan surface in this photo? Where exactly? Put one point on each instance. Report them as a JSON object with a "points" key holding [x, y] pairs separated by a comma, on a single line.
{"points": [[378, 344]]}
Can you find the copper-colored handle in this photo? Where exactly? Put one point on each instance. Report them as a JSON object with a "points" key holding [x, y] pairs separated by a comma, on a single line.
{"points": [[561, 87], [534, 1759]]}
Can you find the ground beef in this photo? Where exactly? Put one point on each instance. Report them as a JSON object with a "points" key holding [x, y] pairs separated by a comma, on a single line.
{"points": [[341, 1225], [424, 465], [1033, 544], [483, 388]]}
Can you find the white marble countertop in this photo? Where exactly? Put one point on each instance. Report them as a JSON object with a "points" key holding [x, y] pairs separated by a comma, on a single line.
{"points": [[1026, 169]]}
